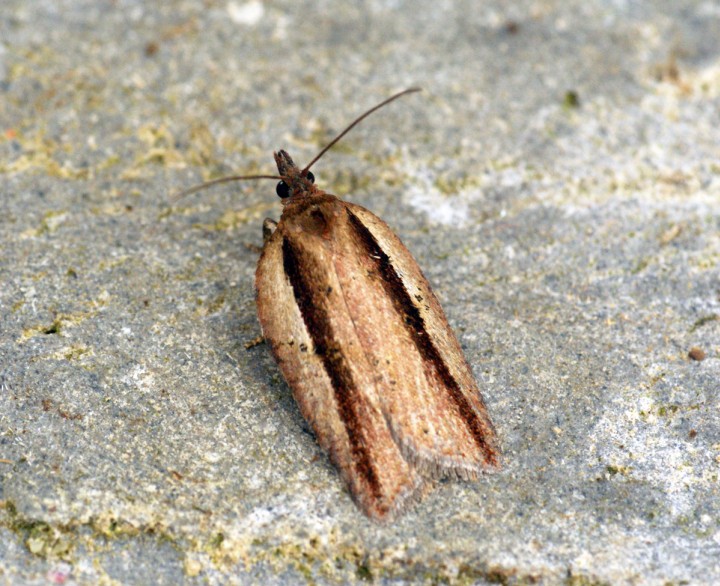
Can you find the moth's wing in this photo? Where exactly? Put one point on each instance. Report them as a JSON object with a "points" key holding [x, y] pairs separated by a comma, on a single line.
{"points": [[429, 395], [309, 329]]}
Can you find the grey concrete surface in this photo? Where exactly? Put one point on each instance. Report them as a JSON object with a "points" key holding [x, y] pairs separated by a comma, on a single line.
{"points": [[559, 182]]}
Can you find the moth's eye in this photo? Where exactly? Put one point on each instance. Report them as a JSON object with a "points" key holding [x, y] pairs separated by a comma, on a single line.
{"points": [[282, 190], [310, 177]]}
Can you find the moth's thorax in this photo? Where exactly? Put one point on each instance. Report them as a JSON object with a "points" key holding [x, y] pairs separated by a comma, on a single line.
{"points": [[313, 215]]}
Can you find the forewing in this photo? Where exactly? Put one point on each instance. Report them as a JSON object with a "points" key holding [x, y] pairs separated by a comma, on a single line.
{"points": [[427, 390], [307, 323]]}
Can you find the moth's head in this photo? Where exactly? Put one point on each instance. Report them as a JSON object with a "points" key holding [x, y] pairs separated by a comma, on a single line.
{"points": [[294, 181]]}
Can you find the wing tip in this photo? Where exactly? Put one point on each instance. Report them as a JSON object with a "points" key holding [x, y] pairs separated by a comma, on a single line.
{"points": [[384, 514], [427, 472], [434, 466]]}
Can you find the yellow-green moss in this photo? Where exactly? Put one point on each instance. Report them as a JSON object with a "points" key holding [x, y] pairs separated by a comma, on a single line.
{"points": [[55, 327]]}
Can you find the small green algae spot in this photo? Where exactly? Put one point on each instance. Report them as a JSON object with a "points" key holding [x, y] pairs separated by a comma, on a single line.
{"points": [[665, 410], [49, 224], [53, 328], [216, 541], [108, 526], [576, 580], [208, 307], [641, 266], [58, 324], [74, 352], [45, 541], [453, 186], [40, 538], [346, 183], [706, 319], [111, 161], [37, 153], [364, 573], [571, 100], [231, 219]]}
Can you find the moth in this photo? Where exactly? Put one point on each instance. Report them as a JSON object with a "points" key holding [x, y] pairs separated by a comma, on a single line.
{"points": [[365, 346]]}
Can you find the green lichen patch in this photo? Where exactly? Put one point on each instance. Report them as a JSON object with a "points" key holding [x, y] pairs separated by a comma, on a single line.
{"points": [[232, 219], [40, 538], [73, 352], [39, 153], [704, 320], [614, 470], [210, 306], [571, 100], [159, 149], [454, 185], [49, 224], [56, 327], [581, 580], [46, 541], [344, 183]]}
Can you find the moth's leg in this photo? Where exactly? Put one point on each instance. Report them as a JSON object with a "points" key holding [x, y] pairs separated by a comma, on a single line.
{"points": [[268, 229], [256, 341]]}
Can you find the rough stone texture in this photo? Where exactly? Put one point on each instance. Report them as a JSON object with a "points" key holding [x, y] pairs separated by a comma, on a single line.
{"points": [[559, 182]]}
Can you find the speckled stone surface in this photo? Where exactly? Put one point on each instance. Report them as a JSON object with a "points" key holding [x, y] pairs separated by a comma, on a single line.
{"points": [[559, 182]]}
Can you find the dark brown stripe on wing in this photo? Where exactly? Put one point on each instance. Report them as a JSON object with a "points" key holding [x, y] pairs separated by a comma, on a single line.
{"points": [[416, 327], [318, 325]]}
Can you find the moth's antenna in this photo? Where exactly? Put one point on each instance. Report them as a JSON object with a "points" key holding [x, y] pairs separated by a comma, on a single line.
{"points": [[357, 121], [202, 186]]}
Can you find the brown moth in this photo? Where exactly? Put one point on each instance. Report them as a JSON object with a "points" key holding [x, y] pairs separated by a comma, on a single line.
{"points": [[365, 347]]}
